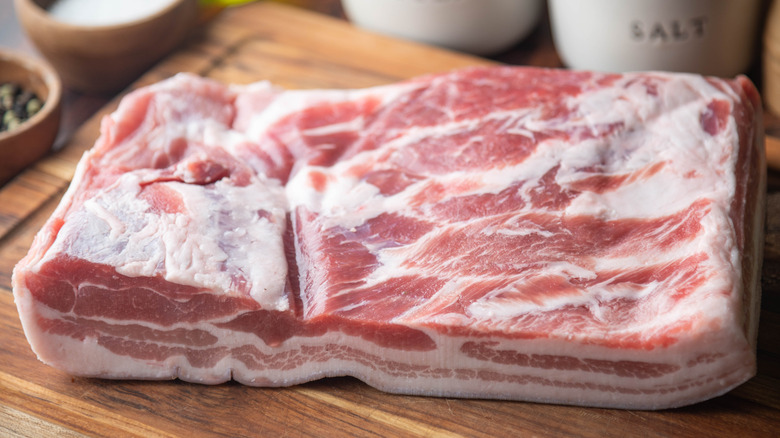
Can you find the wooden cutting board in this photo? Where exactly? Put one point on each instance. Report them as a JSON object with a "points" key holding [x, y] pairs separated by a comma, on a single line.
{"points": [[297, 49]]}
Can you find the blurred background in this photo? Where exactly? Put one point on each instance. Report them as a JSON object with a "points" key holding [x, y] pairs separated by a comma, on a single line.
{"points": [[702, 36]]}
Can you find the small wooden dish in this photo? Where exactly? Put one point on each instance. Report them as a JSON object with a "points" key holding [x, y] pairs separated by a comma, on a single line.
{"points": [[103, 59], [34, 137]]}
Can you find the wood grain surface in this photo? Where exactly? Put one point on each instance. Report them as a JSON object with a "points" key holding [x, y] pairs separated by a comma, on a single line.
{"points": [[298, 49]]}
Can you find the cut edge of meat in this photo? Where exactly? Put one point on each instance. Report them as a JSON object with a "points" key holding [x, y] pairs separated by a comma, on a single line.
{"points": [[460, 367]]}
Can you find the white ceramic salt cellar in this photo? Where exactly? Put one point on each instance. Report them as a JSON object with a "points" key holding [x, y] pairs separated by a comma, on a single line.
{"points": [[712, 37], [481, 27]]}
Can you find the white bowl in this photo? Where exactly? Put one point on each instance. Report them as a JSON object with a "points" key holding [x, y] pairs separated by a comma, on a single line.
{"points": [[481, 27], [105, 59], [711, 37]]}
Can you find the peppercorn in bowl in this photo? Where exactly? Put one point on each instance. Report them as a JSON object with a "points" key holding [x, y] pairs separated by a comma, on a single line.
{"points": [[30, 102]]}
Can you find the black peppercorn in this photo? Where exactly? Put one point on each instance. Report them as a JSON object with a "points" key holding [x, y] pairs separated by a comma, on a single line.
{"points": [[16, 105]]}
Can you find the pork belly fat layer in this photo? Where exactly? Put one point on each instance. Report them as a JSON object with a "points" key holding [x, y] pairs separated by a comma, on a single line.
{"points": [[503, 232]]}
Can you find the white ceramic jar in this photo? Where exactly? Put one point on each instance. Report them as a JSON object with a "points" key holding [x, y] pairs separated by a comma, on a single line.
{"points": [[712, 37], [481, 27]]}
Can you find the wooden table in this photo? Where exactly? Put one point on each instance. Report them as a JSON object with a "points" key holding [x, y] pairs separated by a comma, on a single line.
{"points": [[298, 49]]}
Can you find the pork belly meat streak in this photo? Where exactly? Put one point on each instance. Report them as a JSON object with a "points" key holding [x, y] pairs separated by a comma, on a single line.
{"points": [[502, 232]]}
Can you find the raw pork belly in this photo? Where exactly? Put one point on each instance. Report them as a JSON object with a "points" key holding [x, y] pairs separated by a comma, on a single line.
{"points": [[503, 232]]}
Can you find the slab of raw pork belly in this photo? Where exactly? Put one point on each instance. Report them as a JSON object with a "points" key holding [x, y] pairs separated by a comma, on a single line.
{"points": [[502, 232]]}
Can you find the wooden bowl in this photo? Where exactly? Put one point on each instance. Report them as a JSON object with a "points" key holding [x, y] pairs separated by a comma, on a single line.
{"points": [[34, 137], [105, 59]]}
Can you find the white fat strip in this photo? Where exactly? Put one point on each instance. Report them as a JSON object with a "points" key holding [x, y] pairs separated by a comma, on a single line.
{"points": [[512, 228], [116, 226], [339, 185], [491, 308], [257, 255], [643, 199], [353, 125], [362, 200], [103, 228], [216, 134], [427, 311], [191, 248], [391, 263], [349, 202], [661, 310], [487, 308], [679, 142], [298, 186], [293, 101]]}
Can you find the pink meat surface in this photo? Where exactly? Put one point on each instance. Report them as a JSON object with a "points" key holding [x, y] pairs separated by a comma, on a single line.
{"points": [[503, 232]]}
